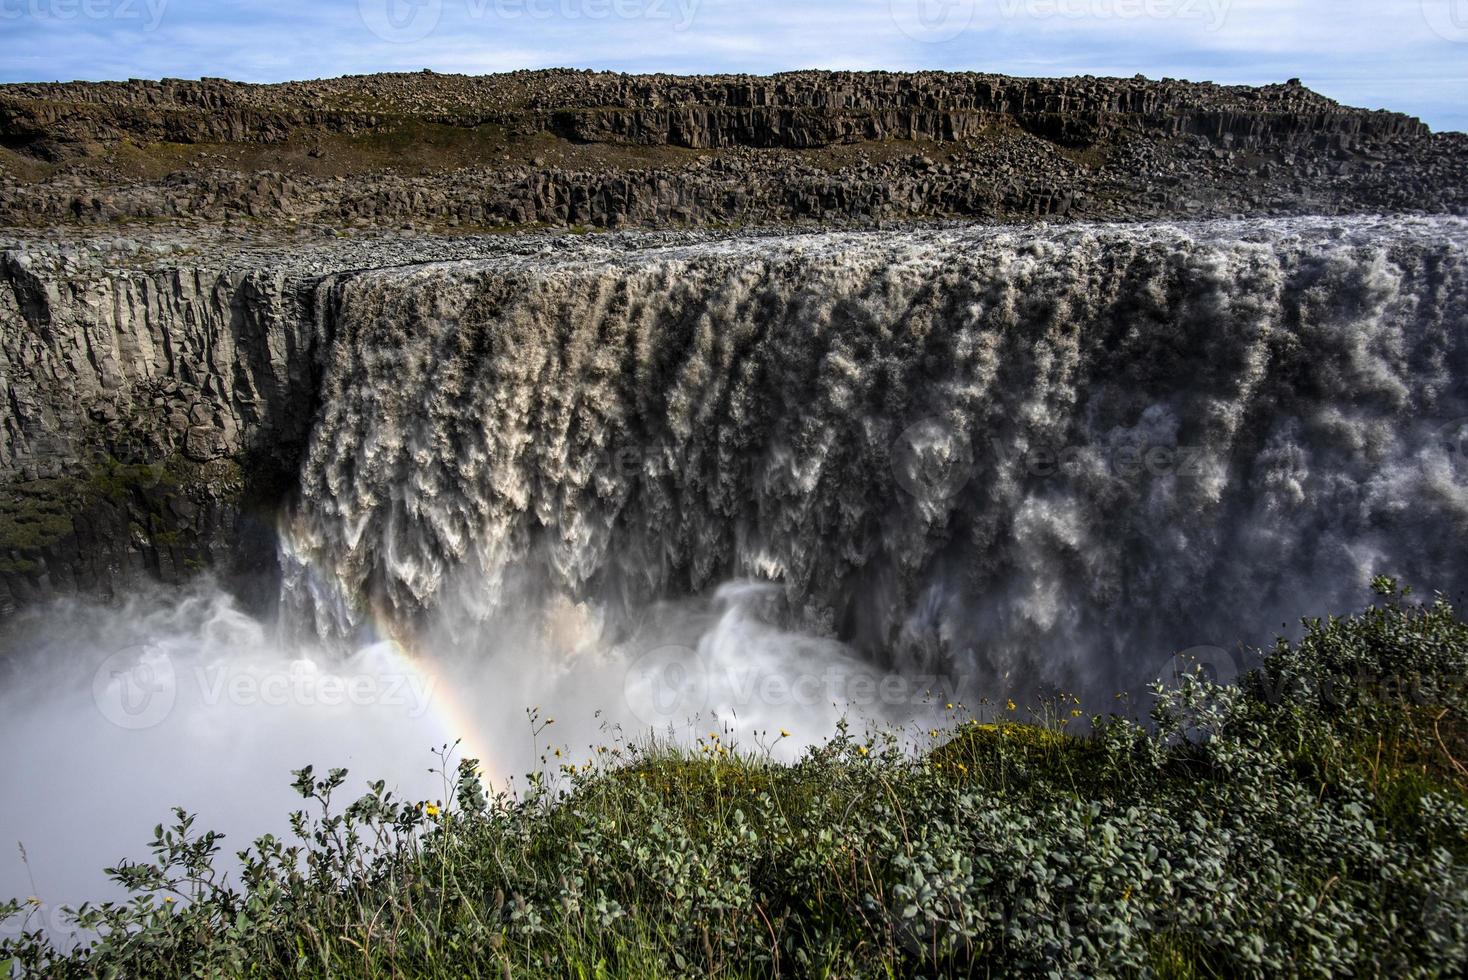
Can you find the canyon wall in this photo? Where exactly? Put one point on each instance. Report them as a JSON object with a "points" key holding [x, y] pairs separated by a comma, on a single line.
{"points": [[563, 148], [790, 110], [995, 453], [152, 423], [955, 450]]}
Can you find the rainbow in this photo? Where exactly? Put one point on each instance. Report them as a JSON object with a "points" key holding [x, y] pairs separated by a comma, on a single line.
{"points": [[455, 719]]}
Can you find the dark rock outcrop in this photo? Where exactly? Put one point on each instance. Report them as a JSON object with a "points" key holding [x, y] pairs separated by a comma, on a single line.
{"points": [[670, 151], [146, 411], [151, 404]]}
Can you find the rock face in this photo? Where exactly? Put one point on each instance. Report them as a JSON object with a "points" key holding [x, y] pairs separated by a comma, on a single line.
{"points": [[145, 411], [809, 109], [159, 392], [989, 453], [561, 148], [162, 368], [791, 110], [641, 415]]}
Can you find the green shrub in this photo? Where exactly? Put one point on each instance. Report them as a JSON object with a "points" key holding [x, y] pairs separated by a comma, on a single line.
{"points": [[1311, 821]]}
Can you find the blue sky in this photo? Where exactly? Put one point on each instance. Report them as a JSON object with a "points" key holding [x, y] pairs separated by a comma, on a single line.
{"points": [[1408, 55]]}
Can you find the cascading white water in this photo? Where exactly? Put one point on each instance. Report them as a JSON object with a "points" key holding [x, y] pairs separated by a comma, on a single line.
{"points": [[1025, 457], [762, 483]]}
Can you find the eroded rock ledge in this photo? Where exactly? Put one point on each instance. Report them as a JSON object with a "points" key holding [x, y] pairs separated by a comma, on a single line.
{"points": [[147, 412], [159, 391], [161, 388], [564, 148]]}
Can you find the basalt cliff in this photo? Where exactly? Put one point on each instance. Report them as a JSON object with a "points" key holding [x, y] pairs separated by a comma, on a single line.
{"points": [[602, 150], [1069, 439], [222, 351]]}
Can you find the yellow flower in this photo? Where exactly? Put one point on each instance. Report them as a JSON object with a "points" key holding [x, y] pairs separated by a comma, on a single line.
{"points": [[431, 810], [1075, 712], [168, 899], [784, 733], [862, 750], [1009, 704], [949, 705], [933, 733]]}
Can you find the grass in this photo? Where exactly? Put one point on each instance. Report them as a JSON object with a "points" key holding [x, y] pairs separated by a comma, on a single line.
{"points": [[1311, 821]]}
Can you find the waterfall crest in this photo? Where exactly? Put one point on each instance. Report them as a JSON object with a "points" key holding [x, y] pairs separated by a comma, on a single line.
{"points": [[1002, 453]]}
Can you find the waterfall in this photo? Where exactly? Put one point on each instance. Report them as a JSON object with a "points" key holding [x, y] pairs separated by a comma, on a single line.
{"points": [[1016, 455]]}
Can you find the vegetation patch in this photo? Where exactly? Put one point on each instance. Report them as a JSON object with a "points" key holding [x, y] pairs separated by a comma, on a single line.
{"points": [[1310, 821], [37, 515]]}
